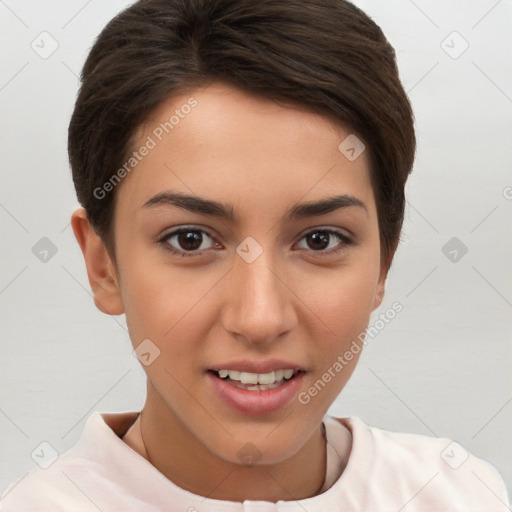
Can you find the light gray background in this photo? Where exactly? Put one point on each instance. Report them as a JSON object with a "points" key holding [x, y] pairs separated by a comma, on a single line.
{"points": [[442, 367]]}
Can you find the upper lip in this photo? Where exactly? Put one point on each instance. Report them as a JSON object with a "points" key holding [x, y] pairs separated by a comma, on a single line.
{"points": [[268, 366]]}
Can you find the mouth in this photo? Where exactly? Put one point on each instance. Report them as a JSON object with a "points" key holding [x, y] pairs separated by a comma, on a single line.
{"points": [[257, 381], [255, 394]]}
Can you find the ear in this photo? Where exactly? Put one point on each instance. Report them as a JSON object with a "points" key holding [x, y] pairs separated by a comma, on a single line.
{"points": [[100, 268], [381, 284]]}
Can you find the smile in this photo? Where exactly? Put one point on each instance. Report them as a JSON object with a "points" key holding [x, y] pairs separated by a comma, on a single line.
{"points": [[256, 381], [256, 393]]}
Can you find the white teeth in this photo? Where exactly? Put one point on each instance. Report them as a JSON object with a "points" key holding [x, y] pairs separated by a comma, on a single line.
{"points": [[287, 374], [248, 378], [234, 375], [266, 378], [257, 378]]}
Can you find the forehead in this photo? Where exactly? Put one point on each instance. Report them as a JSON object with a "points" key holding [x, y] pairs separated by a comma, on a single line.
{"points": [[218, 141]]}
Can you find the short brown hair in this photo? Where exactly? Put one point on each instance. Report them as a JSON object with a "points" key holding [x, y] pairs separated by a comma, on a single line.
{"points": [[324, 54]]}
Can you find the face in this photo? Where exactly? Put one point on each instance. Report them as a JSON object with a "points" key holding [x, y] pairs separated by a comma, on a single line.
{"points": [[258, 280]]}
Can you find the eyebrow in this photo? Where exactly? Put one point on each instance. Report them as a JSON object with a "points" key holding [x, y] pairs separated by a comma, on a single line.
{"points": [[226, 211]]}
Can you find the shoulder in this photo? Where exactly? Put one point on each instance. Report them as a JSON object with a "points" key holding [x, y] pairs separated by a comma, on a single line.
{"points": [[434, 472], [73, 480], [55, 488]]}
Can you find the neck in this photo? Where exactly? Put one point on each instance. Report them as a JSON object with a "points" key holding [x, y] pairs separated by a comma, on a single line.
{"points": [[184, 460]]}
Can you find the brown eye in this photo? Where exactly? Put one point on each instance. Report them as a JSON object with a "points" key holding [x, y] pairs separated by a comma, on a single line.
{"points": [[318, 240], [187, 241], [190, 240], [326, 241]]}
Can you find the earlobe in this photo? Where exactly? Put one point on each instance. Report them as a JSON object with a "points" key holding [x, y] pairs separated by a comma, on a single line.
{"points": [[100, 268], [381, 286], [384, 270], [379, 293]]}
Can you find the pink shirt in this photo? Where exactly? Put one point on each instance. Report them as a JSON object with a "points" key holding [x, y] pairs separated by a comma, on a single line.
{"points": [[386, 471]]}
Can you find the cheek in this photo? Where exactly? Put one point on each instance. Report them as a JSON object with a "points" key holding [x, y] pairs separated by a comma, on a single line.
{"points": [[170, 306], [343, 298], [340, 309]]}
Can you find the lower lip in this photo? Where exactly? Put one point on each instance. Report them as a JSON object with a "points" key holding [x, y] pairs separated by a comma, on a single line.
{"points": [[256, 402]]}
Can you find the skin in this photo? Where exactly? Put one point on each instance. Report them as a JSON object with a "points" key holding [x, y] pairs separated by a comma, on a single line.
{"points": [[262, 157]]}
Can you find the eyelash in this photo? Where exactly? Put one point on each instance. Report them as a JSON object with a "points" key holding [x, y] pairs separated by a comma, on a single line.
{"points": [[341, 237]]}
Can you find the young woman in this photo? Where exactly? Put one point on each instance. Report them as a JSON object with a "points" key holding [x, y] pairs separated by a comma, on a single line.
{"points": [[241, 166]]}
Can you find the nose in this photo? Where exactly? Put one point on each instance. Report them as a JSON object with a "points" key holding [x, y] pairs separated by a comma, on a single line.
{"points": [[259, 303]]}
